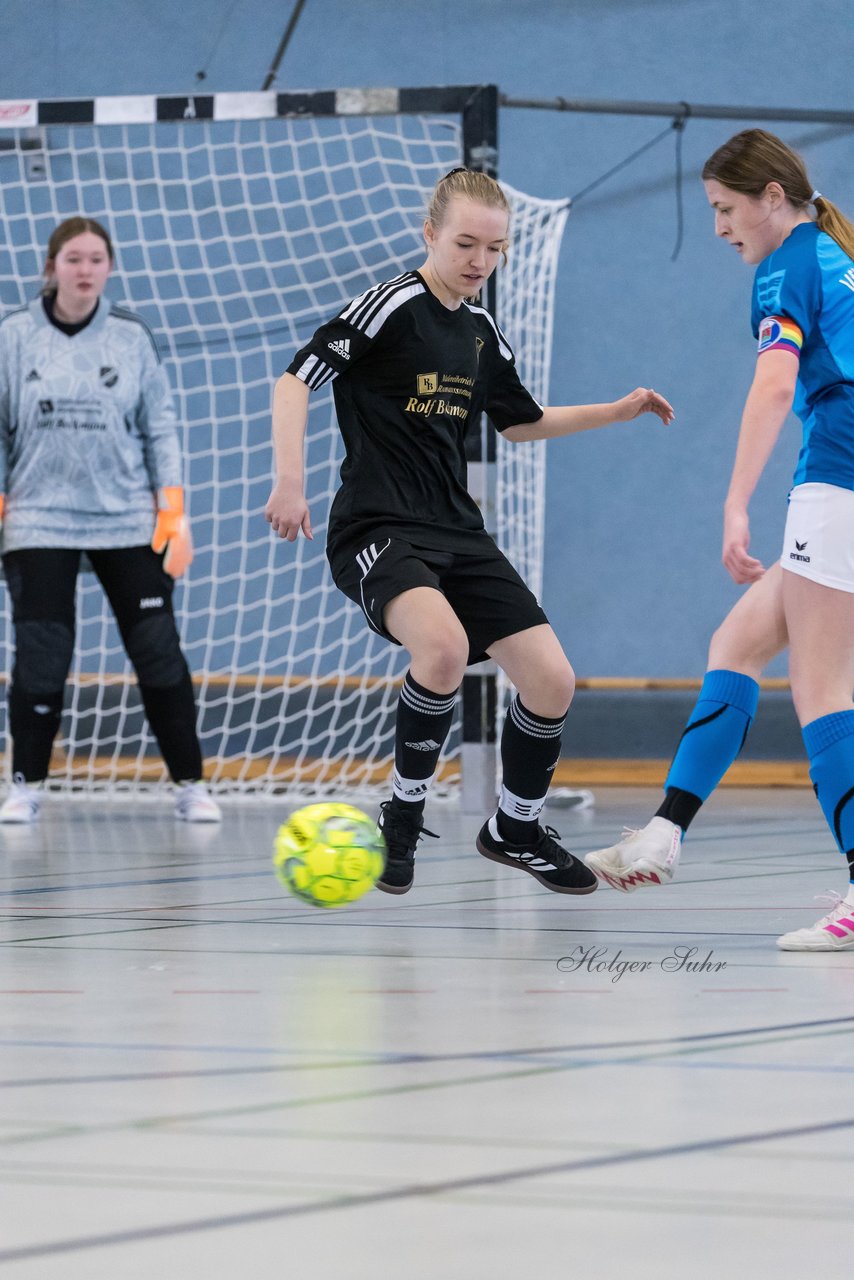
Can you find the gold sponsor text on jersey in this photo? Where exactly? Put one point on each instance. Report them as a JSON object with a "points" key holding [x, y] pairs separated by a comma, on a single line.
{"points": [[414, 405]]}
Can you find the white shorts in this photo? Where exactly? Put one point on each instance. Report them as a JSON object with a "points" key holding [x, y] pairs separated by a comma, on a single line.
{"points": [[819, 539]]}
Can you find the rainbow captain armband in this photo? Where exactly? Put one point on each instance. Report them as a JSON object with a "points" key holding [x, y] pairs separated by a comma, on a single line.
{"points": [[779, 333], [172, 531]]}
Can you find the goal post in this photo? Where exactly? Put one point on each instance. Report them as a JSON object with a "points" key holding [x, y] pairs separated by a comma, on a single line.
{"points": [[240, 222]]}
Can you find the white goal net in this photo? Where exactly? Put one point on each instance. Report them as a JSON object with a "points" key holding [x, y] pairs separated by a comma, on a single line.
{"points": [[234, 238]]}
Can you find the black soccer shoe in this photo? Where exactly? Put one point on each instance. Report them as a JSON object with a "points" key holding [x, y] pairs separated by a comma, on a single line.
{"points": [[544, 859], [401, 831]]}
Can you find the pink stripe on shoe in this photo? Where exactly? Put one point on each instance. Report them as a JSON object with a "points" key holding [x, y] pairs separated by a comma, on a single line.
{"points": [[840, 933]]}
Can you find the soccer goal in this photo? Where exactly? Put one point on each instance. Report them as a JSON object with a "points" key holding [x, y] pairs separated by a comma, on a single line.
{"points": [[240, 221]]}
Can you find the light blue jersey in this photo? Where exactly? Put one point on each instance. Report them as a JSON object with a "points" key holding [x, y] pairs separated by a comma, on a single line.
{"points": [[803, 302], [87, 431]]}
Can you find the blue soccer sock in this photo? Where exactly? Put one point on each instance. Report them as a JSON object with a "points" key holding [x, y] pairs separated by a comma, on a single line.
{"points": [[829, 741], [712, 739]]}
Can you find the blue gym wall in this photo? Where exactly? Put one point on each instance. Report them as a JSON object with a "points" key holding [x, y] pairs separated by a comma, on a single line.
{"points": [[633, 581]]}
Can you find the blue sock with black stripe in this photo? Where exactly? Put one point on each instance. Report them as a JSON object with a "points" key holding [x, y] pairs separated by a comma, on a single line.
{"points": [[829, 741], [711, 741]]}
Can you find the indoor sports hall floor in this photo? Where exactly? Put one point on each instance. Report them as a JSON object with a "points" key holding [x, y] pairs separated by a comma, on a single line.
{"points": [[200, 1077]]}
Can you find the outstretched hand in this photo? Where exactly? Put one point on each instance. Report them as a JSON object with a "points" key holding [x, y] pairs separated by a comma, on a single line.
{"points": [[643, 400]]}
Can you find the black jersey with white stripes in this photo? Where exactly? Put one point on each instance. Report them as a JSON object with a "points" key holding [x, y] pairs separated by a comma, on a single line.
{"points": [[410, 376]]}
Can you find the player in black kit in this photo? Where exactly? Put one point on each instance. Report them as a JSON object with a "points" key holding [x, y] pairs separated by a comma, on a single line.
{"points": [[414, 363]]}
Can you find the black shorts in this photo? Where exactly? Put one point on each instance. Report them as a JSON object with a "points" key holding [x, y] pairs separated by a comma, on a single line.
{"points": [[480, 584]]}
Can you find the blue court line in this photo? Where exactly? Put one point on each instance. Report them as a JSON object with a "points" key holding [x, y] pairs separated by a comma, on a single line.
{"points": [[373, 1060], [703, 1037], [128, 884], [172, 864], [694, 1065], [571, 928], [414, 1191], [261, 1050]]}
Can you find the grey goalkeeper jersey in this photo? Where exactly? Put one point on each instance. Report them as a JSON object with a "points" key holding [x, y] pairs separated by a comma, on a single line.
{"points": [[87, 431]]}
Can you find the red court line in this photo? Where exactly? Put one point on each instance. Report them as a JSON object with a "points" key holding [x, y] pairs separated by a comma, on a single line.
{"points": [[564, 991]]}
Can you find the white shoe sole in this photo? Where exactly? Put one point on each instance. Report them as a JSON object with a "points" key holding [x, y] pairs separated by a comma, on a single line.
{"points": [[19, 818], [814, 946]]}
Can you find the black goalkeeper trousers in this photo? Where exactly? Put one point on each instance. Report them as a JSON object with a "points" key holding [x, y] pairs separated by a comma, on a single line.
{"points": [[42, 586]]}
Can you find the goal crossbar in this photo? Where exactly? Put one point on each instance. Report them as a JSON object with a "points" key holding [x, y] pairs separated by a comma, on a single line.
{"points": [[241, 221]]}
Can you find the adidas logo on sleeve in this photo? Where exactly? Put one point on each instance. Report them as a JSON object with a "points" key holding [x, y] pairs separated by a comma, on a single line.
{"points": [[341, 348]]}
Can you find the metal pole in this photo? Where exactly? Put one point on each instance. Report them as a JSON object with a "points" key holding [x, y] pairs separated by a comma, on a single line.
{"points": [[697, 111], [479, 695], [283, 44]]}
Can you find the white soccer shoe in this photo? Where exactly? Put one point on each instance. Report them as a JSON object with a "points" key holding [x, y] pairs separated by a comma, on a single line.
{"points": [[22, 804], [834, 932], [194, 803], [642, 858]]}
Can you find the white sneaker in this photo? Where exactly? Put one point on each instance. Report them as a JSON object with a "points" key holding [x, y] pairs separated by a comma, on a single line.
{"points": [[22, 804], [834, 932], [194, 803], [641, 858]]}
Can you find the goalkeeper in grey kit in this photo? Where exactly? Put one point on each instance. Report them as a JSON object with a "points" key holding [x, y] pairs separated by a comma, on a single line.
{"points": [[90, 463], [413, 362]]}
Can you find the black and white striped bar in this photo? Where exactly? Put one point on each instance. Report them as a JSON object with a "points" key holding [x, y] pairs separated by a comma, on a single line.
{"points": [[20, 113]]}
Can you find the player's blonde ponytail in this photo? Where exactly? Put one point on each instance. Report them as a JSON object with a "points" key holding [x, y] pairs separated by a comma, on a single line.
{"points": [[833, 221]]}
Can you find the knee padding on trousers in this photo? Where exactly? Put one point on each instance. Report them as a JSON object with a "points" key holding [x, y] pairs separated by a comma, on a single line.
{"points": [[43, 653], [155, 651]]}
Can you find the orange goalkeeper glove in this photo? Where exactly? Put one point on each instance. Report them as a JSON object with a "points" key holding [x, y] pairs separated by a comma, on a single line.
{"points": [[172, 532], [2, 507]]}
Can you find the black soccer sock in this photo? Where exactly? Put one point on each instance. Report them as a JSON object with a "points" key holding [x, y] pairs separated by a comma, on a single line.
{"points": [[423, 723], [33, 723], [530, 749], [679, 806], [171, 713]]}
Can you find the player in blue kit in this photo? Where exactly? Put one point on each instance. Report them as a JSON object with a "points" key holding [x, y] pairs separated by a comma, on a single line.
{"points": [[803, 320], [414, 362], [90, 462]]}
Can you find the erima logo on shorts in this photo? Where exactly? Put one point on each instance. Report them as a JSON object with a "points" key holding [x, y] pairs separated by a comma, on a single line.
{"points": [[794, 555], [341, 348], [151, 602]]}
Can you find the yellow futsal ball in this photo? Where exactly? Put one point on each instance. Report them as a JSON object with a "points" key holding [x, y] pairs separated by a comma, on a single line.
{"points": [[329, 854]]}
